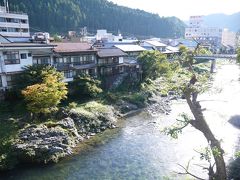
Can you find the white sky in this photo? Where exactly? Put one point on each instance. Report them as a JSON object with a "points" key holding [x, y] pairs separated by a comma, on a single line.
{"points": [[183, 8]]}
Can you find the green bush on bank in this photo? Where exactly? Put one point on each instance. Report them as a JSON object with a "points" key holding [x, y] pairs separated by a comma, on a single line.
{"points": [[8, 131]]}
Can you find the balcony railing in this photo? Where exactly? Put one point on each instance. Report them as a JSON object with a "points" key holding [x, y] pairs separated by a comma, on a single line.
{"points": [[71, 65], [11, 61]]}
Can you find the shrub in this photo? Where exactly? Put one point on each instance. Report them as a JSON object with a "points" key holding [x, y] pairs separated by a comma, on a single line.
{"points": [[85, 85], [44, 97]]}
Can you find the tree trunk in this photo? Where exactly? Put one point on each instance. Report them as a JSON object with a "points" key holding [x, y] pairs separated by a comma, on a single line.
{"points": [[201, 124]]}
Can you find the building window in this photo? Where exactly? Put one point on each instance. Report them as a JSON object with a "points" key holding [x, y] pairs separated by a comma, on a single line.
{"points": [[76, 60], [11, 80], [41, 60], [3, 29], [81, 72], [67, 60], [23, 56], [29, 54], [24, 30], [24, 21], [2, 19], [68, 74], [11, 57]]}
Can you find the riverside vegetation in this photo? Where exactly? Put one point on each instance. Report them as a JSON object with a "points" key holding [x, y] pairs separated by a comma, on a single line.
{"points": [[33, 136]]}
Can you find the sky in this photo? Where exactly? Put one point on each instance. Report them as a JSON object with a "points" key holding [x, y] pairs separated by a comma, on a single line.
{"points": [[183, 8]]}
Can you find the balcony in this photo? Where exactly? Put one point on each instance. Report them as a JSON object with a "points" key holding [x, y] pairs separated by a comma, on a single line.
{"points": [[11, 61], [75, 65]]}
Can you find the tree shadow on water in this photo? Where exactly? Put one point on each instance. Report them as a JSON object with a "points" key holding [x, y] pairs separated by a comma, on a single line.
{"points": [[234, 169], [235, 121], [234, 165]]}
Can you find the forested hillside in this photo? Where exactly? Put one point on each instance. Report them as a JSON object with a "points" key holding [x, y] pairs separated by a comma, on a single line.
{"points": [[231, 22], [59, 16]]}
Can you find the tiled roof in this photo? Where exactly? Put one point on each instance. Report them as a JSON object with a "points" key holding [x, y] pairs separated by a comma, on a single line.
{"points": [[130, 48], [72, 47], [110, 52]]}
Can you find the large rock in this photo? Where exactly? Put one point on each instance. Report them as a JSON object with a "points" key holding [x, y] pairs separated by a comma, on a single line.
{"points": [[48, 142], [125, 107], [44, 144]]}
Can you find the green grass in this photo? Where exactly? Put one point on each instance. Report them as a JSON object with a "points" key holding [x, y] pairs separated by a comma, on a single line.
{"points": [[8, 131]]}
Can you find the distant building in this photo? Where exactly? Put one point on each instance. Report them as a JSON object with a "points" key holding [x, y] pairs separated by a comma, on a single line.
{"points": [[154, 45], [229, 38], [103, 35], [13, 24], [132, 50], [203, 34]]}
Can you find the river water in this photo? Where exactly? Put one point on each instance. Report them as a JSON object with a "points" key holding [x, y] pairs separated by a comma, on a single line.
{"points": [[139, 150]]}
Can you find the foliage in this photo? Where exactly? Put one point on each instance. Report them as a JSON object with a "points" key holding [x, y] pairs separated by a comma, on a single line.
{"points": [[61, 16], [8, 130], [72, 105], [44, 97], [94, 106], [154, 64], [186, 55], [176, 129], [203, 51], [182, 49], [238, 55], [35, 74], [57, 38], [138, 99], [85, 85]]}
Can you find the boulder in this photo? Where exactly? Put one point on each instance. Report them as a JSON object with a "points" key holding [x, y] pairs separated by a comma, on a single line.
{"points": [[42, 144]]}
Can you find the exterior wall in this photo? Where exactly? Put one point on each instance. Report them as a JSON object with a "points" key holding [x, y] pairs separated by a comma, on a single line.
{"points": [[13, 24], [68, 65], [202, 33], [229, 38], [196, 21], [18, 67]]}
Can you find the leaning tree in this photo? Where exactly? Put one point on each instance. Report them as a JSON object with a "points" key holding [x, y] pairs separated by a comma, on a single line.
{"points": [[190, 83]]}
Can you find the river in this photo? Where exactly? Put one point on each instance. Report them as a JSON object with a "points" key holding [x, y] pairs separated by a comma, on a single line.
{"points": [[139, 150]]}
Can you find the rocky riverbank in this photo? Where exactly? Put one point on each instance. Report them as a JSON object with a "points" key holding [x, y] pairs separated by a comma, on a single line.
{"points": [[48, 142]]}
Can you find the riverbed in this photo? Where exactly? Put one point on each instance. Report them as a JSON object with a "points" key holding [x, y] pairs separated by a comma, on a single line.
{"points": [[138, 149]]}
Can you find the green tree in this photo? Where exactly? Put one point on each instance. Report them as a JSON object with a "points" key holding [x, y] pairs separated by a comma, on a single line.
{"points": [[35, 74], [154, 64], [190, 83], [43, 98], [238, 55], [57, 38], [61, 16], [85, 85]]}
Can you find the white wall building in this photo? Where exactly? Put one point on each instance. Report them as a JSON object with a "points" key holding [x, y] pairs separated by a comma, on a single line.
{"points": [[15, 56], [102, 34], [13, 24], [229, 38], [204, 34]]}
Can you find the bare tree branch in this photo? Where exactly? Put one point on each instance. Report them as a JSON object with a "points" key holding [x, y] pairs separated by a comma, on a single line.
{"points": [[188, 173]]}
